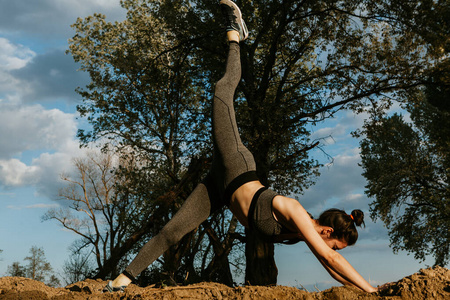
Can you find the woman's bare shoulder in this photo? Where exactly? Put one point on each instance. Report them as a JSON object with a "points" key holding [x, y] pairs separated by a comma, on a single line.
{"points": [[282, 203], [287, 209]]}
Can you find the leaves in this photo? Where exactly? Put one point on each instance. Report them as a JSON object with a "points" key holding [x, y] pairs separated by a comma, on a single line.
{"points": [[152, 78], [407, 169]]}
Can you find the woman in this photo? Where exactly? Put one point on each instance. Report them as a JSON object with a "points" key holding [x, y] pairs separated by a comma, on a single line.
{"points": [[232, 181]]}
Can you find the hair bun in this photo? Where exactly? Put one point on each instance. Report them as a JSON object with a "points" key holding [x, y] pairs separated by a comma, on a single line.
{"points": [[358, 217]]}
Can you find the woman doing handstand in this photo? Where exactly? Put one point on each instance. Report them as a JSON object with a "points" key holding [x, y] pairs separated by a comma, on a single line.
{"points": [[232, 181]]}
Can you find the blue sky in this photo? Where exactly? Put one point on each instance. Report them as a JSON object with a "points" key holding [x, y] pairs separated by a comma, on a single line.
{"points": [[38, 124]]}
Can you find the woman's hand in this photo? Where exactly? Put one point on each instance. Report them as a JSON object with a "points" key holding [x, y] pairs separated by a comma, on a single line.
{"points": [[384, 286]]}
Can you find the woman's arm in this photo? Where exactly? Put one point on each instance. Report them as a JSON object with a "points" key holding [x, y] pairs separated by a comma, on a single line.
{"points": [[291, 212], [336, 276]]}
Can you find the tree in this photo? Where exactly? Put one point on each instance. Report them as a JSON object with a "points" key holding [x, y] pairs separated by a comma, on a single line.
{"points": [[169, 118], [37, 268], [407, 168], [96, 212], [16, 270], [103, 210], [78, 267], [153, 73]]}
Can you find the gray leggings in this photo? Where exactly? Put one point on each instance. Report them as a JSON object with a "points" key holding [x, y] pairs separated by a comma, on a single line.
{"points": [[232, 166]]}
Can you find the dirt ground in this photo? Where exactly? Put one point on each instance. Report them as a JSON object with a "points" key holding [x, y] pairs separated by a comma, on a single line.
{"points": [[432, 283]]}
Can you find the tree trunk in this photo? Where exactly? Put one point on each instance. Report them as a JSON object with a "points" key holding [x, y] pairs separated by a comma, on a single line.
{"points": [[218, 269], [261, 268]]}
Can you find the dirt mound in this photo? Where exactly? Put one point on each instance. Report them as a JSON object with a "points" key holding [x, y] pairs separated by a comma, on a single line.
{"points": [[432, 283]]}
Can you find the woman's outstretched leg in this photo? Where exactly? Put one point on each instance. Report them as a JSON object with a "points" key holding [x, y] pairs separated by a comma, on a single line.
{"points": [[192, 213], [231, 158]]}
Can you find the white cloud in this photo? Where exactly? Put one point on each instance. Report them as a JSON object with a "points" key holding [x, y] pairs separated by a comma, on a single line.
{"points": [[341, 181], [27, 77], [37, 146], [43, 173], [337, 182], [50, 76], [51, 166], [25, 128], [328, 132], [13, 172], [13, 56], [339, 127]]}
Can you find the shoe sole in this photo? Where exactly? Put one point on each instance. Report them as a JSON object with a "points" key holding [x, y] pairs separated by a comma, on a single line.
{"points": [[110, 289], [243, 26], [231, 3]]}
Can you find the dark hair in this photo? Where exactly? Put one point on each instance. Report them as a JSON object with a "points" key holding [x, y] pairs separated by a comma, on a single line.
{"points": [[343, 225]]}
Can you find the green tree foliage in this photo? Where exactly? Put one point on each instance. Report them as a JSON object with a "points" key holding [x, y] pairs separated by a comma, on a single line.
{"points": [[153, 75], [407, 168]]}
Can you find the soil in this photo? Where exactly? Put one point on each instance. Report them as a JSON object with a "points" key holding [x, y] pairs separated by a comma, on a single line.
{"points": [[431, 283]]}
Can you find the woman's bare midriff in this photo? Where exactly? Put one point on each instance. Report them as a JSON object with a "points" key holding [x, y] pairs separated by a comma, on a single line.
{"points": [[241, 200]]}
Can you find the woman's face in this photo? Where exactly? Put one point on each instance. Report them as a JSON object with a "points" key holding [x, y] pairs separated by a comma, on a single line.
{"points": [[334, 243]]}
